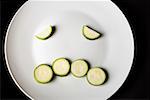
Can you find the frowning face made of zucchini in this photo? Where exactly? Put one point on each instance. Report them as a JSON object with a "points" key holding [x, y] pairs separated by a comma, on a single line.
{"points": [[57, 50]]}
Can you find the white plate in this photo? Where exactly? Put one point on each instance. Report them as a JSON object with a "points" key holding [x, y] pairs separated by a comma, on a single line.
{"points": [[114, 51]]}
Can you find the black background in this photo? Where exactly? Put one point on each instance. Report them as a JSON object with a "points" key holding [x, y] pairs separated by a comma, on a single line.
{"points": [[137, 84]]}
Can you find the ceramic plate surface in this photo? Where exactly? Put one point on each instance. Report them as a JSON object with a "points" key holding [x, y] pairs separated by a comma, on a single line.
{"points": [[114, 51]]}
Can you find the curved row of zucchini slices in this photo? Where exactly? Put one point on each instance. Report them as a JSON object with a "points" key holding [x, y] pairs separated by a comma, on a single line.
{"points": [[61, 67]]}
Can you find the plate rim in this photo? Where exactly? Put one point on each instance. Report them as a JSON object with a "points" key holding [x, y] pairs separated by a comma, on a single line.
{"points": [[5, 52]]}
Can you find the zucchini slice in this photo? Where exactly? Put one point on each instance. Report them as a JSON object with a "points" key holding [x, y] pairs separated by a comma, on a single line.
{"points": [[79, 68], [45, 34], [43, 73], [90, 33], [61, 66], [96, 76]]}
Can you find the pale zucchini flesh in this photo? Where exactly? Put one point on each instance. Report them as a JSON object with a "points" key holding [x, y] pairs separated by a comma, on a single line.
{"points": [[43, 73], [79, 68], [61, 66], [96, 76], [45, 34], [90, 33]]}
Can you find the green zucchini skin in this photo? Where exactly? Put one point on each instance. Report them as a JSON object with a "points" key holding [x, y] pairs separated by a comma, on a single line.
{"points": [[106, 77], [91, 29], [43, 38], [87, 68], [40, 81], [66, 74]]}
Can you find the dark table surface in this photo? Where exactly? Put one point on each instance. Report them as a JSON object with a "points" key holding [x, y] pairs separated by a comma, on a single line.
{"points": [[136, 85]]}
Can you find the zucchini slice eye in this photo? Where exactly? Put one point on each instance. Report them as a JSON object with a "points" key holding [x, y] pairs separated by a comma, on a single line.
{"points": [[43, 73], [61, 66], [79, 68], [90, 33], [46, 33], [96, 76]]}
